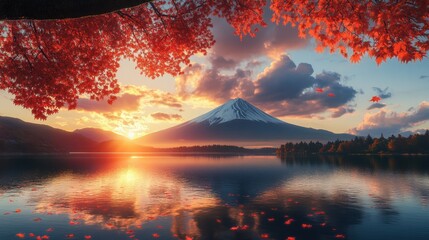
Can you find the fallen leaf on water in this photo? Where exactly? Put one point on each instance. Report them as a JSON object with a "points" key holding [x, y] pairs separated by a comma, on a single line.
{"points": [[31, 235], [6, 213], [44, 237], [289, 221], [271, 219], [218, 220], [70, 235], [331, 95], [73, 223], [234, 228], [188, 238], [320, 213], [18, 210], [37, 219], [20, 235], [49, 230], [265, 235], [290, 238], [340, 236], [155, 235], [304, 225], [88, 237]]}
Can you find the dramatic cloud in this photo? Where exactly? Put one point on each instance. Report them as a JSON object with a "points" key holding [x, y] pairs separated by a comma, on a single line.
{"points": [[282, 89], [376, 105], [165, 116], [213, 85], [272, 40], [388, 123], [382, 93], [127, 102], [283, 81], [285, 89]]}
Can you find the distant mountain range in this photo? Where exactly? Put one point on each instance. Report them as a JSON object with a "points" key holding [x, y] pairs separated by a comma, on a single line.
{"points": [[99, 135], [237, 122], [19, 136]]}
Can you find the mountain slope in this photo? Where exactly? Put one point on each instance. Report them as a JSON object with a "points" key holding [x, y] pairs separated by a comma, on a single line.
{"points": [[240, 123], [19, 136], [99, 135]]}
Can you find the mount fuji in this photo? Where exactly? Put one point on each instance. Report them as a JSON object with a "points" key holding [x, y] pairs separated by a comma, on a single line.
{"points": [[240, 123]]}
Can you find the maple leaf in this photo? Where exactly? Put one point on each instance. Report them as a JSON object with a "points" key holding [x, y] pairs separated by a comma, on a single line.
{"points": [[20, 235], [375, 99], [319, 90]]}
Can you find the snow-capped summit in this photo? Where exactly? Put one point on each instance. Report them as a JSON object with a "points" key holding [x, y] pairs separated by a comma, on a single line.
{"points": [[237, 122], [235, 109]]}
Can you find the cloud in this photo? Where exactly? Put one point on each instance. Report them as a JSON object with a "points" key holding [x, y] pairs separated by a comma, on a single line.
{"points": [[283, 81], [272, 40], [213, 85], [127, 102], [423, 77], [382, 93], [165, 116], [152, 96], [131, 100], [220, 62], [376, 105], [282, 89], [341, 111], [285, 89], [388, 123]]}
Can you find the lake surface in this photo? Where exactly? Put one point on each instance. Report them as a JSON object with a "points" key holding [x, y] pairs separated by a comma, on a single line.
{"points": [[213, 197]]}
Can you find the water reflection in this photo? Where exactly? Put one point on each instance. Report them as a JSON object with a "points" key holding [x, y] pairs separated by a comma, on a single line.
{"points": [[202, 197]]}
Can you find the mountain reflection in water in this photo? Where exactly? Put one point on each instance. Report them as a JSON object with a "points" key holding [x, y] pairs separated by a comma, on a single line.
{"points": [[214, 197]]}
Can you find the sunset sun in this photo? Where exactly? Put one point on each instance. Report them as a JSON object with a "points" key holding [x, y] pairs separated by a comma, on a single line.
{"points": [[131, 135]]}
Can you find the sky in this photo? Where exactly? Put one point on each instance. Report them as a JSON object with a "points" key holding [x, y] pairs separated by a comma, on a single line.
{"points": [[276, 71]]}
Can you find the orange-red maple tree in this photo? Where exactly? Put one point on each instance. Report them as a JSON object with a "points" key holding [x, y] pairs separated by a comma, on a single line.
{"points": [[380, 28], [49, 64]]}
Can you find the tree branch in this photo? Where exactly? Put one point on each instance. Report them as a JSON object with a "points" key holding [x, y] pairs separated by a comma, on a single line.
{"points": [[61, 9]]}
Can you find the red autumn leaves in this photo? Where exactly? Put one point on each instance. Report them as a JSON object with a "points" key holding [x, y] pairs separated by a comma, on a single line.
{"points": [[48, 65], [375, 99]]}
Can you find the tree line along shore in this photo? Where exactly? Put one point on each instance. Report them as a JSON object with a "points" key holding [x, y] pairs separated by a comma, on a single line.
{"points": [[413, 144]]}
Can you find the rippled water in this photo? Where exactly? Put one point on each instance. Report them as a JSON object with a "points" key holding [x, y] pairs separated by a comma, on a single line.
{"points": [[213, 197]]}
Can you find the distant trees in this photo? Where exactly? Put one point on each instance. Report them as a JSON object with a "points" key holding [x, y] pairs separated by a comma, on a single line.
{"points": [[417, 143]]}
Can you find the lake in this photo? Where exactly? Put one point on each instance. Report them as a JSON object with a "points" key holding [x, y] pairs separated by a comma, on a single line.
{"points": [[118, 196]]}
